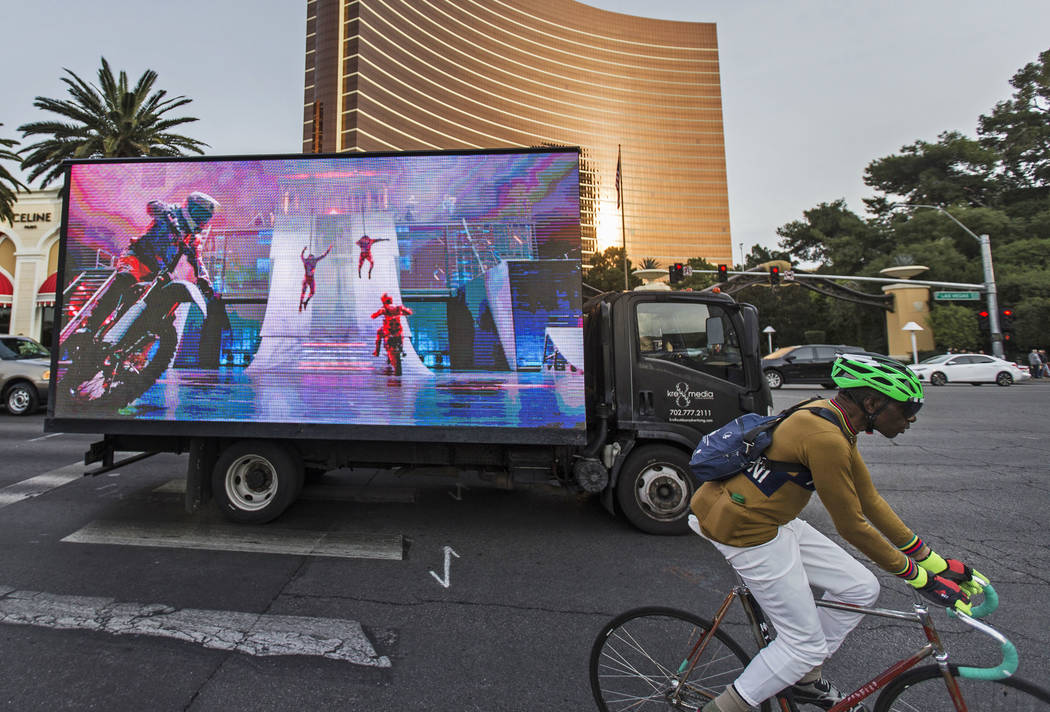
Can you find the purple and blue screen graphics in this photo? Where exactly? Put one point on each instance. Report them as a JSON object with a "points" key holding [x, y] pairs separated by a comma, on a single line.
{"points": [[468, 254]]}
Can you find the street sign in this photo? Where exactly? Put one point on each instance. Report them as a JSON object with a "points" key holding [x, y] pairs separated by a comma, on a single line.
{"points": [[957, 296]]}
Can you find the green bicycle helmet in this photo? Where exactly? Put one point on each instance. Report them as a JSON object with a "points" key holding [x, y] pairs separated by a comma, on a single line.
{"points": [[891, 378]]}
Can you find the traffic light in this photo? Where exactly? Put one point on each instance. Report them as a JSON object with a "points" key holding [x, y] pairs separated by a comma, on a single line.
{"points": [[982, 320], [723, 273], [1006, 321], [774, 275], [676, 272]]}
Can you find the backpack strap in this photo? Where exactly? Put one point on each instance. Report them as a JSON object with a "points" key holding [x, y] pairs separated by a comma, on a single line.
{"points": [[832, 417], [770, 475], [750, 436]]}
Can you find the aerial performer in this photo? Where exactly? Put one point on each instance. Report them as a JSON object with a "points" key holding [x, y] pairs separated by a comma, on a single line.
{"points": [[391, 333], [365, 243], [309, 265]]}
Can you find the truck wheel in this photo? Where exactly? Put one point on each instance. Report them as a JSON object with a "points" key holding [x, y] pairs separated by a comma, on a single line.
{"points": [[255, 481], [654, 489]]}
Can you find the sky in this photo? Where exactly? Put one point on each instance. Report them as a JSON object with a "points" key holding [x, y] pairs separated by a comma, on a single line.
{"points": [[812, 90]]}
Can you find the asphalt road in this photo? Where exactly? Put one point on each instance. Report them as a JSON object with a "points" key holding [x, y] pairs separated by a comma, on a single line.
{"points": [[384, 623]]}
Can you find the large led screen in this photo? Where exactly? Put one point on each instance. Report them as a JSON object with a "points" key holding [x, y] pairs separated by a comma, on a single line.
{"points": [[436, 290]]}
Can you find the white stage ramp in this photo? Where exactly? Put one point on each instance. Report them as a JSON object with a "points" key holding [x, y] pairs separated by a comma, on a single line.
{"points": [[335, 331]]}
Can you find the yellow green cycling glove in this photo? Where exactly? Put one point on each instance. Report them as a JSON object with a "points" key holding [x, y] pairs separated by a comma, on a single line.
{"points": [[937, 589], [969, 581]]}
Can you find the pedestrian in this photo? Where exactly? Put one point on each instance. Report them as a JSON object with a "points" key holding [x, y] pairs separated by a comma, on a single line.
{"points": [[1044, 369], [1035, 364]]}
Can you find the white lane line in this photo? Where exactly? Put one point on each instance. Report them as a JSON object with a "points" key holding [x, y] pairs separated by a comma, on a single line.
{"points": [[40, 484], [250, 633], [233, 537], [45, 437], [329, 493]]}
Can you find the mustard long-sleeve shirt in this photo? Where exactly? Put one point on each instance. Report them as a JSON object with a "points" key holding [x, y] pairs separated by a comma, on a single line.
{"points": [[737, 513]]}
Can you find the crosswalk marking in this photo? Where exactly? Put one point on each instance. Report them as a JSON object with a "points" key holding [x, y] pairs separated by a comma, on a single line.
{"points": [[40, 484], [250, 633], [234, 537]]}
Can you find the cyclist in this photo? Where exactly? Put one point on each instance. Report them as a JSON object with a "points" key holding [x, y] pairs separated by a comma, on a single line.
{"points": [[752, 519]]}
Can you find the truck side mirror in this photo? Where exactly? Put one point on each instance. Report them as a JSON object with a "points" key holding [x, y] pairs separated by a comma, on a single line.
{"points": [[716, 333]]}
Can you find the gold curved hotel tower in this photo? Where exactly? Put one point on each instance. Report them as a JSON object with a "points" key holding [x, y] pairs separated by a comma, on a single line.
{"points": [[386, 75]]}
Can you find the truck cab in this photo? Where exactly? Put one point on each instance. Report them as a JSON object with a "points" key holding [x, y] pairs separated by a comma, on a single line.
{"points": [[662, 369]]}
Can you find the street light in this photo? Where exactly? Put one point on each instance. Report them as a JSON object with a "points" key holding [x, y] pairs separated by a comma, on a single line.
{"points": [[769, 331], [989, 275], [912, 327]]}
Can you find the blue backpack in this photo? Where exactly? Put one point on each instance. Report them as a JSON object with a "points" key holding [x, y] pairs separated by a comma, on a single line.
{"points": [[738, 446]]}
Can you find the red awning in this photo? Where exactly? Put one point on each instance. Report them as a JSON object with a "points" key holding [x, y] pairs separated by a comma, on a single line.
{"points": [[6, 291], [45, 296]]}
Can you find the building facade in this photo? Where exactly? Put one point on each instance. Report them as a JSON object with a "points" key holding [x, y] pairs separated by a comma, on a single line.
{"points": [[29, 265], [385, 75]]}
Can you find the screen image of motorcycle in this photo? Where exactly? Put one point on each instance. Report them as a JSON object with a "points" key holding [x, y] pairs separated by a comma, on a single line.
{"points": [[277, 309]]}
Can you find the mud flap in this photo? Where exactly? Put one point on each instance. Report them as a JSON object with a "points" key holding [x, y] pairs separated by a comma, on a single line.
{"points": [[203, 454]]}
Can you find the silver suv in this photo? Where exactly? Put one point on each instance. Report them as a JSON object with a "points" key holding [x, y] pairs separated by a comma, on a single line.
{"points": [[25, 368]]}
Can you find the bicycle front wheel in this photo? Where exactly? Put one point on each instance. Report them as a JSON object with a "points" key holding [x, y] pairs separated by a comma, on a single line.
{"points": [[640, 658], [925, 690]]}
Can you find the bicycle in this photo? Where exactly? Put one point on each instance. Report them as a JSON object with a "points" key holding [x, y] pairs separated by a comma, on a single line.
{"points": [[658, 658]]}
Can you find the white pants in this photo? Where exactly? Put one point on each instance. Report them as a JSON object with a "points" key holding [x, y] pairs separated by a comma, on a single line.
{"points": [[780, 574]]}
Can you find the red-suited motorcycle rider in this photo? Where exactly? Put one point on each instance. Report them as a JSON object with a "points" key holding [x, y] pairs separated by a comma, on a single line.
{"points": [[391, 333]]}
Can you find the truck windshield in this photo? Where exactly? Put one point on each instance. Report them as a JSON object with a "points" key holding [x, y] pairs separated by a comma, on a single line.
{"points": [[697, 336]]}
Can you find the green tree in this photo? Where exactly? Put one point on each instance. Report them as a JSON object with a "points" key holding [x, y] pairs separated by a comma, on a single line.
{"points": [[955, 327], [9, 185], [833, 234], [606, 271], [997, 184], [955, 169], [1018, 129], [109, 120]]}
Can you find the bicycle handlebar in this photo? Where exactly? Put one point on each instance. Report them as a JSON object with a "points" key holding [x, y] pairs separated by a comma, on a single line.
{"points": [[1008, 665]]}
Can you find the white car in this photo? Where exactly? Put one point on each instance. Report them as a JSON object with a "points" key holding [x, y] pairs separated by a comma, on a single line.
{"points": [[969, 368]]}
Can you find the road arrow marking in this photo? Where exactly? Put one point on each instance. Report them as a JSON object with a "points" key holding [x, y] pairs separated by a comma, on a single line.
{"points": [[449, 553]]}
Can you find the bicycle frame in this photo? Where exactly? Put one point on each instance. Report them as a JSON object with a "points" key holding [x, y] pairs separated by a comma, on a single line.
{"points": [[921, 615]]}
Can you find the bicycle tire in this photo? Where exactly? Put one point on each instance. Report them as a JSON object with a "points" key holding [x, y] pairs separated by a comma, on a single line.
{"points": [[636, 655], [923, 690]]}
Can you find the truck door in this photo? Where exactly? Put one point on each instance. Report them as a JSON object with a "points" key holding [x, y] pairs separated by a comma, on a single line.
{"points": [[688, 366]]}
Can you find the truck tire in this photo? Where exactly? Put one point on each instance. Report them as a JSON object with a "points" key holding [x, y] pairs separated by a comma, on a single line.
{"points": [[654, 489], [254, 481]]}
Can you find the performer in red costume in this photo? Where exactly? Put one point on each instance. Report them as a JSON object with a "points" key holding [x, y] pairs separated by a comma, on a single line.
{"points": [[391, 333], [309, 265], [365, 243]]}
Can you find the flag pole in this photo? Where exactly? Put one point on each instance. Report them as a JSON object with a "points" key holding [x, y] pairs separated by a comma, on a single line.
{"points": [[623, 226]]}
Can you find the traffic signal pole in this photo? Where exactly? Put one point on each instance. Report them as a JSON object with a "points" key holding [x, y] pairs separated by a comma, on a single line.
{"points": [[989, 276], [993, 296]]}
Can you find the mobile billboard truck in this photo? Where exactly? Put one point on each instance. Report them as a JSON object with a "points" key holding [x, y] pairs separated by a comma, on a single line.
{"points": [[281, 317]]}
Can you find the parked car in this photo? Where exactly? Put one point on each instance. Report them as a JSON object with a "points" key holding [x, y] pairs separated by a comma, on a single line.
{"points": [[810, 363], [25, 368], [969, 368]]}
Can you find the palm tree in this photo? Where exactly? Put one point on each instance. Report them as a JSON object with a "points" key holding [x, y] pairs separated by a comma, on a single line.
{"points": [[110, 120], [9, 185]]}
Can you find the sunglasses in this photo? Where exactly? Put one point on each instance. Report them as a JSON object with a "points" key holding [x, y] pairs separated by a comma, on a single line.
{"points": [[910, 409]]}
